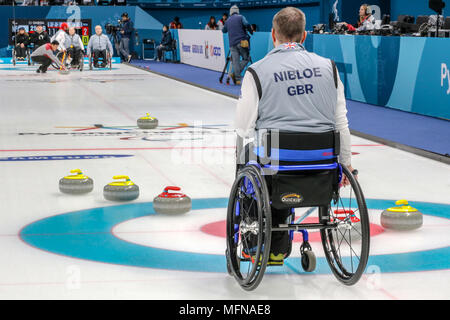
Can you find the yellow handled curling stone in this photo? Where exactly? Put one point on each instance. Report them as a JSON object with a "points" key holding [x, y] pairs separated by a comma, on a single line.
{"points": [[124, 190], [147, 122], [77, 183], [402, 217]]}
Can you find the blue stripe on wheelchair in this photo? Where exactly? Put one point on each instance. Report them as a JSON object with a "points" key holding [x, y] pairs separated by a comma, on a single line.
{"points": [[86, 234], [297, 155]]}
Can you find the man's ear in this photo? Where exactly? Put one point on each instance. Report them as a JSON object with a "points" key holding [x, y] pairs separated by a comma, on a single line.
{"points": [[273, 36], [304, 37]]}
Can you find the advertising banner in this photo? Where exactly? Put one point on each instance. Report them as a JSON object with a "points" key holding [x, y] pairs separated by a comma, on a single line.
{"points": [[202, 48]]}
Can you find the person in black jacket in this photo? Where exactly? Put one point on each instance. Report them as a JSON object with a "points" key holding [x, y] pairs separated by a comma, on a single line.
{"points": [[126, 33], [166, 43], [39, 37], [21, 42]]}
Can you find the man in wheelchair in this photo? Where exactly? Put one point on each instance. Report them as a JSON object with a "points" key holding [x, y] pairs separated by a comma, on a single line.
{"points": [[99, 48], [75, 48], [291, 91]]}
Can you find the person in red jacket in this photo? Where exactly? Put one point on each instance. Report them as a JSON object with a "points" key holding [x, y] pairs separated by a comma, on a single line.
{"points": [[176, 24]]}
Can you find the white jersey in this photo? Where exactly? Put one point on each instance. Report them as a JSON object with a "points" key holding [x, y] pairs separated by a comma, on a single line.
{"points": [[61, 36]]}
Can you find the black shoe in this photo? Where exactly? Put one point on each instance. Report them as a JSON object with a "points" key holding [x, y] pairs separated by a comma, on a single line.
{"points": [[103, 65], [38, 70]]}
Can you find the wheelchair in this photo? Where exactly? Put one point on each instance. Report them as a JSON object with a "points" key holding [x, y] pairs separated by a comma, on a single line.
{"points": [[108, 62], [288, 171], [66, 59], [28, 56]]}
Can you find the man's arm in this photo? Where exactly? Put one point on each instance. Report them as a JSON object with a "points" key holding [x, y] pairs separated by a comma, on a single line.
{"points": [[345, 156], [247, 107], [89, 47]]}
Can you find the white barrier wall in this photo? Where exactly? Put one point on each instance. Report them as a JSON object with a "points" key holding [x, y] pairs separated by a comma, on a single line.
{"points": [[202, 48]]}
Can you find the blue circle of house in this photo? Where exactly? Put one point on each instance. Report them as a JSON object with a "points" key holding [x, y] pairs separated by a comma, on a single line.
{"points": [[86, 234]]}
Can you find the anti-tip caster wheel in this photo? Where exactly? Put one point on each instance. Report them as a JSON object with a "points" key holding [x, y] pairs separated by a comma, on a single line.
{"points": [[308, 258]]}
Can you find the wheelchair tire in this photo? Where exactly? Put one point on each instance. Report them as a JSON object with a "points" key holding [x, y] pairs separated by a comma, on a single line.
{"points": [[308, 261], [249, 232], [347, 258]]}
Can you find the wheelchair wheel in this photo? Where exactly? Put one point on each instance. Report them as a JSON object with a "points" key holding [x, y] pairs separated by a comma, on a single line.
{"points": [[249, 222], [347, 246], [28, 57], [14, 57]]}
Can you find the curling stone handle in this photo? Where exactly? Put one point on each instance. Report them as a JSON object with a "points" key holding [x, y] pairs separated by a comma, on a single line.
{"points": [[78, 171], [166, 189], [127, 178], [401, 202]]}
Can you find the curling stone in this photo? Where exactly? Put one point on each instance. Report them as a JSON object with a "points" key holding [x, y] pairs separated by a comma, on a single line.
{"points": [[351, 229], [402, 217], [76, 183], [121, 190], [147, 122], [172, 203]]}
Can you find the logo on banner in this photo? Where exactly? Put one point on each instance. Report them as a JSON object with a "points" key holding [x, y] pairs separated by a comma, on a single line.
{"points": [[445, 74]]}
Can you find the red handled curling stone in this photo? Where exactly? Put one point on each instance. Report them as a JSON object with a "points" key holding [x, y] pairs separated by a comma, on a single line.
{"points": [[172, 203]]}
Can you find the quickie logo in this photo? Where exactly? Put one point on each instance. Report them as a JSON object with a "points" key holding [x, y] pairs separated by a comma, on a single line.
{"points": [[445, 74], [291, 198]]}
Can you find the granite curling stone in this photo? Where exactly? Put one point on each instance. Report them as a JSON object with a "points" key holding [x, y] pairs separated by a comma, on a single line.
{"points": [[77, 183], [172, 202], [147, 122], [403, 217], [121, 190]]}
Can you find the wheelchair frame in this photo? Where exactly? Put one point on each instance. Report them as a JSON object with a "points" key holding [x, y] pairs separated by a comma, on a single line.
{"points": [[60, 56], [109, 62], [329, 224], [28, 56]]}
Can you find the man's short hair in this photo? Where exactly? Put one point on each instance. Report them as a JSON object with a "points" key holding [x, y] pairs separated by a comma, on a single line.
{"points": [[289, 24], [55, 42]]}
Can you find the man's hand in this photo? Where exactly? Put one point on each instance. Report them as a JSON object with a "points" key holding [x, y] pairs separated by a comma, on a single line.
{"points": [[122, 32], [345, 181], [22, 45]]}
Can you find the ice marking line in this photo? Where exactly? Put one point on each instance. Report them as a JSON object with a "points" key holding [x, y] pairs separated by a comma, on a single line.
{"points": [[108, 149]]}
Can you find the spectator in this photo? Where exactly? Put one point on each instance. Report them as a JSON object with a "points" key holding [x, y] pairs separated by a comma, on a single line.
{"points": [[99, 46], [166, 43], [254, 27], [126, 32], [39, 37], [366, 20], [176, 24], [211, 25], [222, 21], [21, 42], [237, 27]]}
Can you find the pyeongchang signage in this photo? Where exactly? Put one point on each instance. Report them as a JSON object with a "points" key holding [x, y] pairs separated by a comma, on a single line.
{"points": [[202, 48]]}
